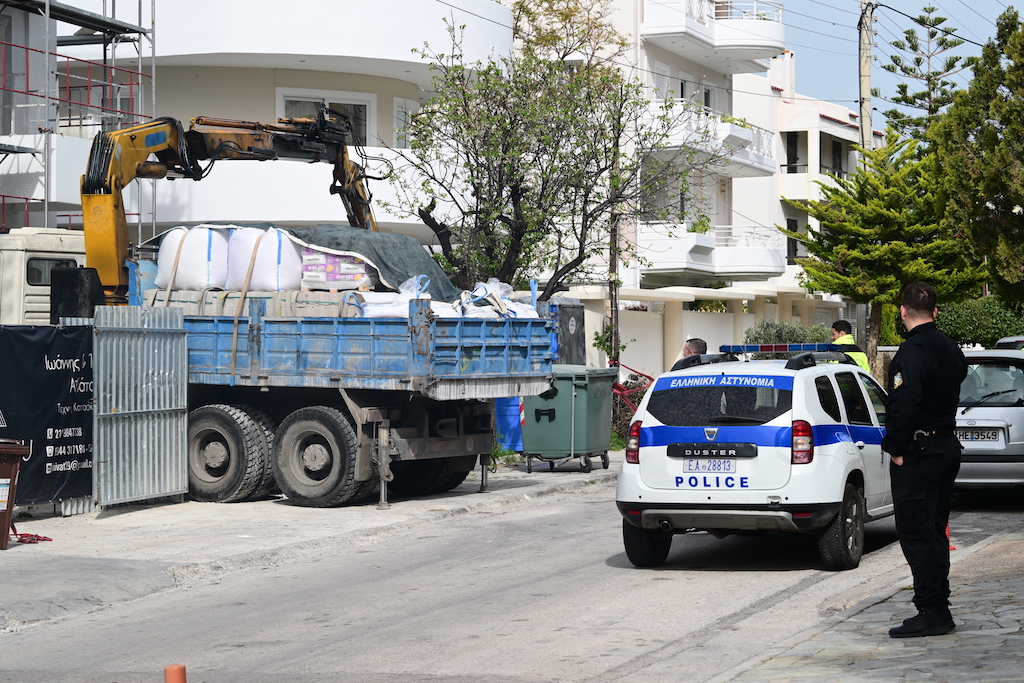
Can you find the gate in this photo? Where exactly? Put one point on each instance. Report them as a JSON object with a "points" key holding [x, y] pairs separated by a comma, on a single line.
{"points": [[141, 390]]}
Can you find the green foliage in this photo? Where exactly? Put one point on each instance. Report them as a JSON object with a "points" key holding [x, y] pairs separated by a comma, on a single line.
{"points": [[618, 442], [981, 321], [709, 305], [603, 342], [924, 61], [775, 332], [528, 162], [979, 159], [892, 330], [503, 456], [881, 229]]}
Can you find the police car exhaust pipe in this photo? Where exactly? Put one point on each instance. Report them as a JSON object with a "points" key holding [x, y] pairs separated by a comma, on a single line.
{"points": [[665, 525]]}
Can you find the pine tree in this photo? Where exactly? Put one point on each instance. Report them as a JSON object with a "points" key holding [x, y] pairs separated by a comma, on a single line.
{"points": [[926, 64], [880, 230], [979, 143]]}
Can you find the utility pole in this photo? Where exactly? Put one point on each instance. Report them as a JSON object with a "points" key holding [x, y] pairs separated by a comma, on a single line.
{"points": [[864, 26]]}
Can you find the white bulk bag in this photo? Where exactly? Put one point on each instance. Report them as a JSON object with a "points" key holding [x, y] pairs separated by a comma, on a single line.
{"points": [[278, 261], [201, 255]]}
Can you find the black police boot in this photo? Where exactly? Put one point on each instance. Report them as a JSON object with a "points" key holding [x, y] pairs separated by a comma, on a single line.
{"points": [[927, 622]]}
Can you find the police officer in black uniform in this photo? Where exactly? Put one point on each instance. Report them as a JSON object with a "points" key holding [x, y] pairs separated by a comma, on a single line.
{"points": [[924, 388]]}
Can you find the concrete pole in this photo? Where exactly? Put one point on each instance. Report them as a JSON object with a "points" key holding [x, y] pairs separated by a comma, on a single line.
{"points": [[864, 26]]}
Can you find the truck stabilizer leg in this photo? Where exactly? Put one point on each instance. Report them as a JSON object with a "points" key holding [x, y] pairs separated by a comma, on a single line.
{"points": [[384, 462]]}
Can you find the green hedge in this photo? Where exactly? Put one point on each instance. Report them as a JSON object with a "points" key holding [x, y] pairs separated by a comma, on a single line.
{"points": [[981, 321], [774, 332]]}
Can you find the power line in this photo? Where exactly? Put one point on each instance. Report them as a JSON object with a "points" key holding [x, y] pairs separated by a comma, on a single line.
{"points": [[931, 26]]}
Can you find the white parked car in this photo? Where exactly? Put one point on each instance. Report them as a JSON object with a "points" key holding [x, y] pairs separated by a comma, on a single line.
{"points": [[990, 419], [765, 445]]}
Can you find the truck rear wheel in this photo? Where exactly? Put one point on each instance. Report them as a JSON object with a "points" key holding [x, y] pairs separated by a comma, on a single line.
{"points": [[226, 454], [315, 457], [267, 485], [417, 477]]}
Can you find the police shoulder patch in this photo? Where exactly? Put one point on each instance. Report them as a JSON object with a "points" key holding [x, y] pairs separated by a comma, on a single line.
{"points": [[897, 380]]}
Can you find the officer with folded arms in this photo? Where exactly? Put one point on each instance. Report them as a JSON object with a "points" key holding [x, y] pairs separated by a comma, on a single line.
{"points": [[924, 388]]}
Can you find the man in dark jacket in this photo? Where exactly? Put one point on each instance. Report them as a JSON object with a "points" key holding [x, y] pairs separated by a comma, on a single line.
{"points": [[924, 388]]}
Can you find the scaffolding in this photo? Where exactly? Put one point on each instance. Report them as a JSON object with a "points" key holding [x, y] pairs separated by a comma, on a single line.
{"points": [[48, 87]]}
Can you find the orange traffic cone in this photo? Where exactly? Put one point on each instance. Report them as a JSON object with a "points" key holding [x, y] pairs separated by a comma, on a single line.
{"points": [[947, 536]]}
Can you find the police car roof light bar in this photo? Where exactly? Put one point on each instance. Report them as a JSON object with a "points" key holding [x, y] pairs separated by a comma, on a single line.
{"points": [[775, 348]]}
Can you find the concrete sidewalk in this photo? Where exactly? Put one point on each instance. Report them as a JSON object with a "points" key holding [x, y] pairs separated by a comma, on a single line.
{"points": [[129, 551]]}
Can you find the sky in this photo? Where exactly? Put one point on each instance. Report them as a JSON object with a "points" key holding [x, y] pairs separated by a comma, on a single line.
{"points": [[823, 35]]}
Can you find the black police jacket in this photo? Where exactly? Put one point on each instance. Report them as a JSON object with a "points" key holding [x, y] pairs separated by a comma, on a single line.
{"points": [[924, 388]]}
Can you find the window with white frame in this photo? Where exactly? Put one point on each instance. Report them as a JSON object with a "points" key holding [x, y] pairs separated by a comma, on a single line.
{"points": [[404, 109], [359, 107]]}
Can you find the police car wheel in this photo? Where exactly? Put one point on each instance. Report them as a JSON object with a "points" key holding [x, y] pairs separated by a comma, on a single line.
{"points": [[645, 547], [841, 543]]}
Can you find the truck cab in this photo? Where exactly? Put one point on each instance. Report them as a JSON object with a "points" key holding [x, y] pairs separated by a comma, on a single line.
{"points": [[27, 256]]}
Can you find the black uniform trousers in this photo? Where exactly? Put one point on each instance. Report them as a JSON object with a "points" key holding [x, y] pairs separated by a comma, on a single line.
{"points": [[922, 492]]}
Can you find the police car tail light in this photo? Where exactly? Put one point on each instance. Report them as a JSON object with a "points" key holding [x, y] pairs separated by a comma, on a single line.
{"points": [[803, 443], [633, 443]]}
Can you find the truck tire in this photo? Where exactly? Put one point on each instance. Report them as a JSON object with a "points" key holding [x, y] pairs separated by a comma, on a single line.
{"points": [[418, 477], [841, 543], [315, 457], [452, 480], [226, 454], [646, 547], [267, 484]]}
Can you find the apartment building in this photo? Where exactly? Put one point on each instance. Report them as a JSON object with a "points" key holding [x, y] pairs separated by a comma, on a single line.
{"points": [[254, 62], [816, 145], [86, 69]]}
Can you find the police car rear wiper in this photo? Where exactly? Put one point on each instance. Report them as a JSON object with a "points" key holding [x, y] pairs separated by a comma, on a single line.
{"points": [[734, 420], [986, 397]]}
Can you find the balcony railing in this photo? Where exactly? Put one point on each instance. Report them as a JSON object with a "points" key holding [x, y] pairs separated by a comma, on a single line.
{"points": [[703, 11], [735, 133], [750, 236], [755, 10]]}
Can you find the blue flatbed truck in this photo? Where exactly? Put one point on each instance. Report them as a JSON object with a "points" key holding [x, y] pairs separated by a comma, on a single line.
{"points": [[329, 409], [313, 403]]}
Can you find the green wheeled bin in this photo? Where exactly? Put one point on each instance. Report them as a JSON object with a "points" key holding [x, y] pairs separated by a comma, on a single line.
{"points": [[573, 419]]}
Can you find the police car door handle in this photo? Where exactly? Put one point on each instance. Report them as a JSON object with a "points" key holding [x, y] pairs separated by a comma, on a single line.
{"points": [[859, 444]]}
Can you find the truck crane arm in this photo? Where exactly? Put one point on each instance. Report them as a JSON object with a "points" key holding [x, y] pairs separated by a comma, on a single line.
{"points": [[118, 157]]}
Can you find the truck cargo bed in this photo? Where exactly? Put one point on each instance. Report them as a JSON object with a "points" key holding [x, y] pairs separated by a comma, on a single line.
{"points": [[442, 358]]}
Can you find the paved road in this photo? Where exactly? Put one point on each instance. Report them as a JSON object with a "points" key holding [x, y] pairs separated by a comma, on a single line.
{"points": [[521, 589]]}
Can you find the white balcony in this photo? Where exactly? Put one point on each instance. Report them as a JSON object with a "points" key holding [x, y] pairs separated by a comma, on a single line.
{"points": [[730, 252], [729, 36], [340, 36], [747, 151]]}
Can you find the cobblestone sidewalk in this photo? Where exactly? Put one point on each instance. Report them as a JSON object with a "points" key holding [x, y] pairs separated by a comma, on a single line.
{"points": [[987, 645]]}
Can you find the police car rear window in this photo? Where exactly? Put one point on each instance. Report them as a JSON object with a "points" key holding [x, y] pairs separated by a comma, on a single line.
{"points": [[700, 400]]}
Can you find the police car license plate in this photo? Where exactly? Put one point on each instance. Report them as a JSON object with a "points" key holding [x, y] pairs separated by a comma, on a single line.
{"points": [[714, 465], [977, 434]]}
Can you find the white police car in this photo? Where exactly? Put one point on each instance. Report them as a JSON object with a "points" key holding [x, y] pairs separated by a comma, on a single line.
{"points": [[765, 445]]}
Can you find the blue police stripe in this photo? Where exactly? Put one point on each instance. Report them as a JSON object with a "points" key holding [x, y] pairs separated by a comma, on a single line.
{"points": [[690, 381], [768, 436]]}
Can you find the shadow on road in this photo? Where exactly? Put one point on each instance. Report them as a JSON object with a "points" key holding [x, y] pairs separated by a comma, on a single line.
{"points": [[753, 551]]}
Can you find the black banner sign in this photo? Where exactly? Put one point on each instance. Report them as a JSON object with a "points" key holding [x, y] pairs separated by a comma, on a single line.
{"points": [[46, 401]]}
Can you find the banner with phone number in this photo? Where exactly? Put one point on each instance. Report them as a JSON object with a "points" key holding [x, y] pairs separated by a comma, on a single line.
{"points": [[46, 402]]}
